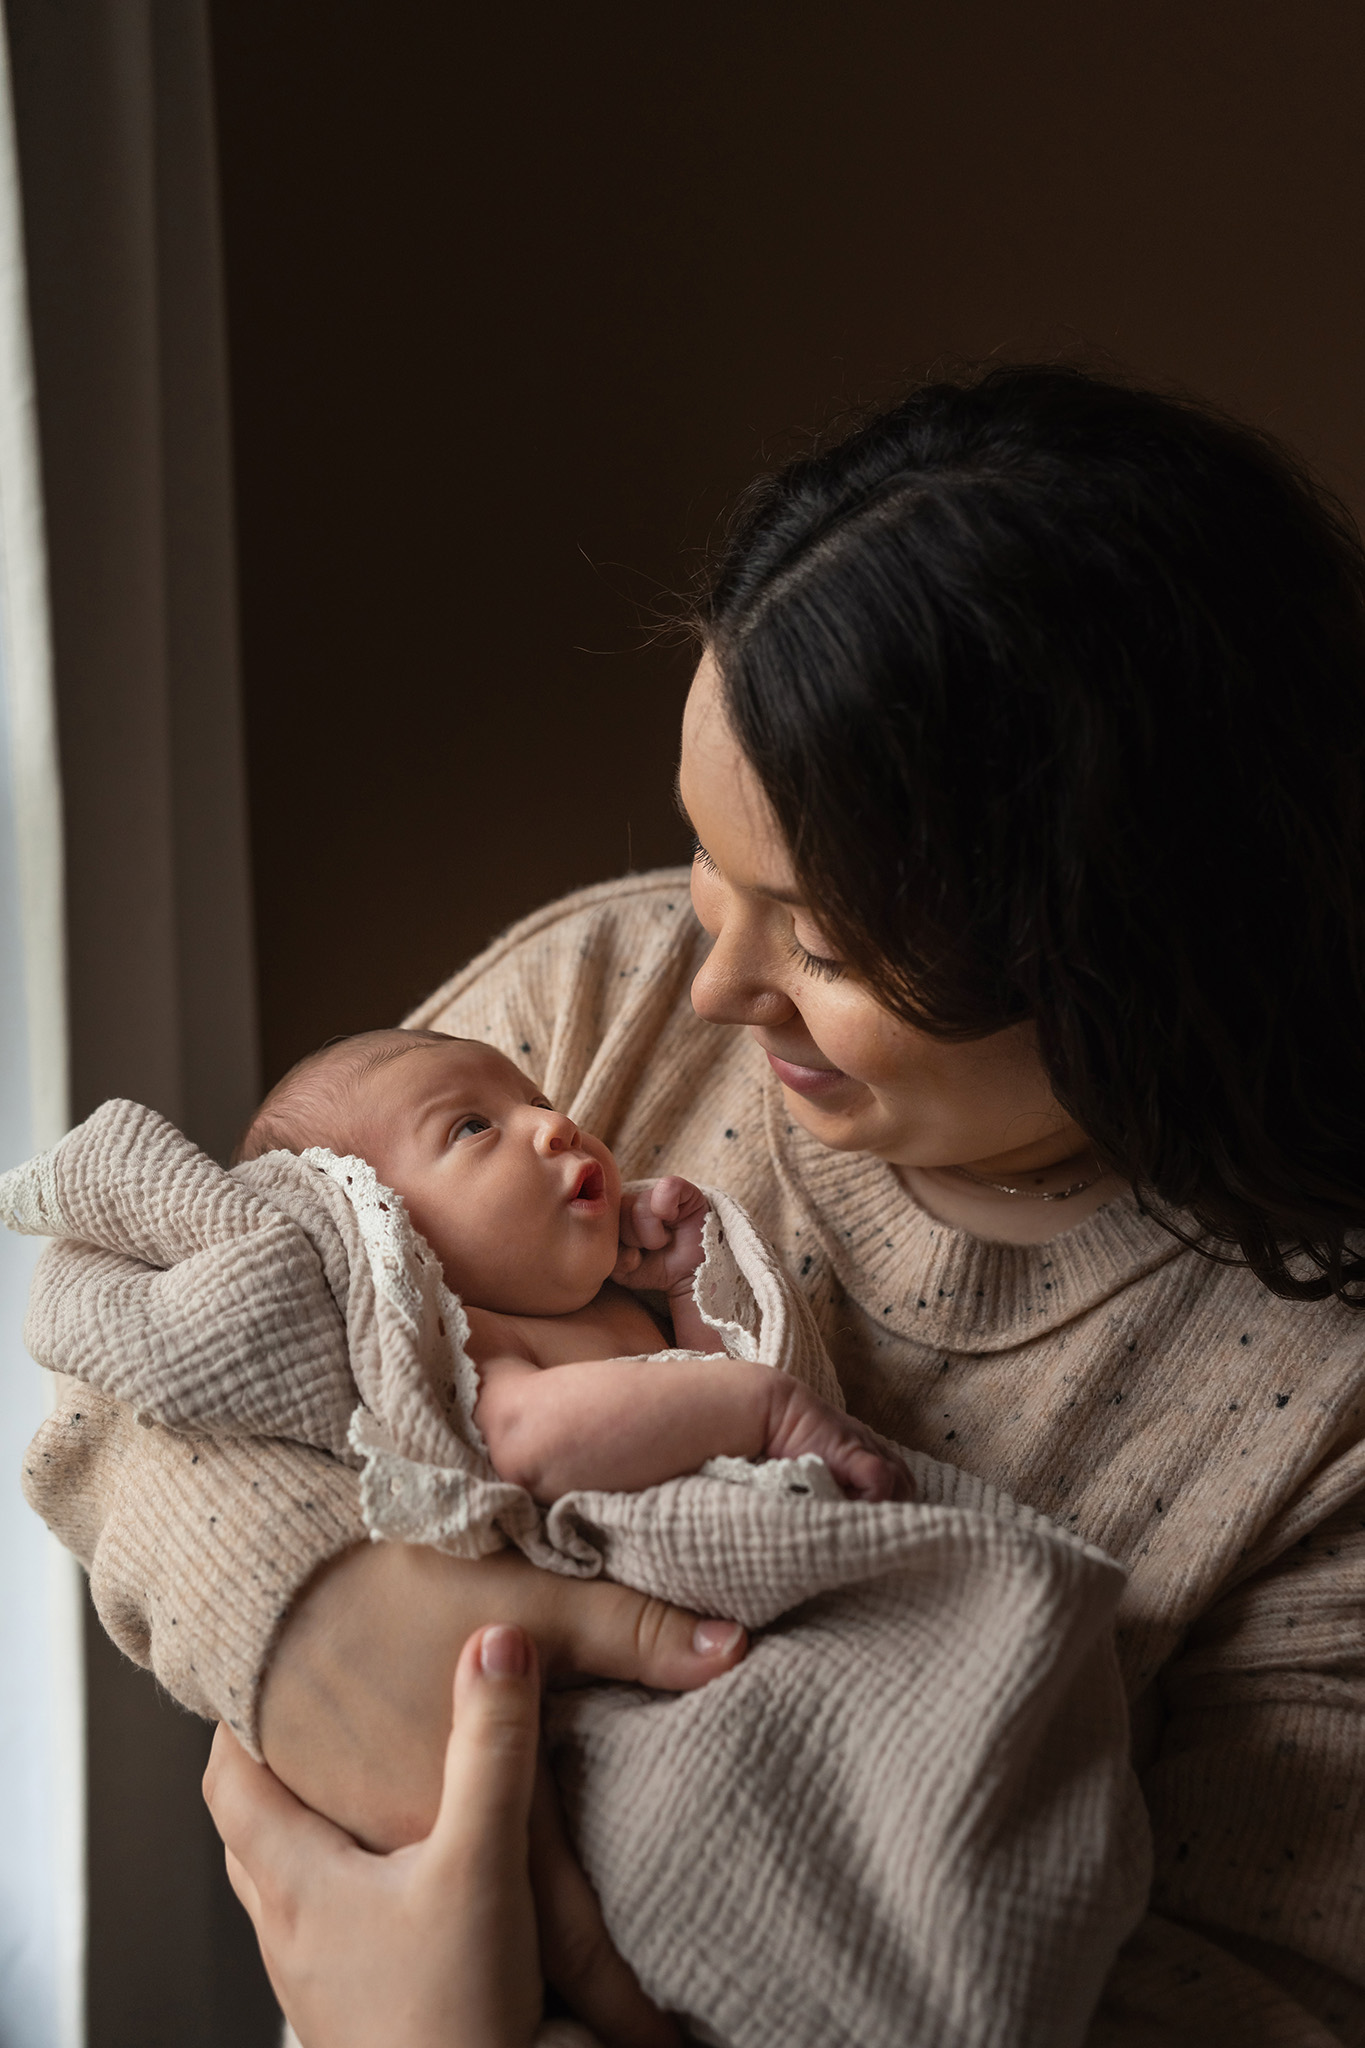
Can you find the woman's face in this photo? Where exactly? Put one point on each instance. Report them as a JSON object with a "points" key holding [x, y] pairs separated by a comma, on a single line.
{"points": [[858, 1078]]}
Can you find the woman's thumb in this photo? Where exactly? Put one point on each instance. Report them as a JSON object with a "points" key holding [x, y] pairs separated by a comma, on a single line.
{"points": [[491, 1756]]}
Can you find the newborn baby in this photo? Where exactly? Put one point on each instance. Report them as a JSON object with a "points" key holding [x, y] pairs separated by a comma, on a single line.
{"points": [[526, 1215]]}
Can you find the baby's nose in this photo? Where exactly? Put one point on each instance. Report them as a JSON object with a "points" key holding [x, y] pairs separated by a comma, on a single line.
{"points": [[555, 1133]]}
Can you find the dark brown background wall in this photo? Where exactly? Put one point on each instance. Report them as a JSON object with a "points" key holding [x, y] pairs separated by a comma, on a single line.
{"points": [[519, 297]]}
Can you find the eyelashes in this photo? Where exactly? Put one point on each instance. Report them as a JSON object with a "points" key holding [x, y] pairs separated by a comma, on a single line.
{"points": [[814, 964]]}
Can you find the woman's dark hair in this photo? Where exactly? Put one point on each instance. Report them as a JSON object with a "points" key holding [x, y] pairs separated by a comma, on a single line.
{"points": [[1057, 689]]}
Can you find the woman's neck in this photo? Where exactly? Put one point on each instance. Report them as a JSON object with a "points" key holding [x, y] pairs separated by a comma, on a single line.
{"points": [[968, 1203]]}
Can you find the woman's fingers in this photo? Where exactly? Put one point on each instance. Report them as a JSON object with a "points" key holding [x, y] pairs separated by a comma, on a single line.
{"points": [[263, 1826], [355, 1711], [434, 1944], [576, 1951], [490, 1764], [608, 1631], [477, 1856], [242, 1882]]}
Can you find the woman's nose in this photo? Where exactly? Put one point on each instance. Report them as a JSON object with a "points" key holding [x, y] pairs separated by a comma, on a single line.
{"points": [[731, 988], [554, 1133]]}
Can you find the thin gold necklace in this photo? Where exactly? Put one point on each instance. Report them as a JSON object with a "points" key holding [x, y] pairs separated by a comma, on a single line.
{"points": [[1077, 1187]]}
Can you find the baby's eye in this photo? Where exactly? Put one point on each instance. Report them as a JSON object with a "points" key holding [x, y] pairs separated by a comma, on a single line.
{"points": [[470, 1126]]}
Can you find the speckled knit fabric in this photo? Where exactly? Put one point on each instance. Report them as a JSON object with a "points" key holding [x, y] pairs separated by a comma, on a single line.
{"points": [[293, 1298], [1168, 1409]]}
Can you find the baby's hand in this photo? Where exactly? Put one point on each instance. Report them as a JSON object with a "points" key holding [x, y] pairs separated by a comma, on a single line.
{"points": [[661, 1225], [802, 1422]]}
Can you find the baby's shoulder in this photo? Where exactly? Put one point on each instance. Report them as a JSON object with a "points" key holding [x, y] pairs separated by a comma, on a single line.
{"points": [[492, 1335], [628, 1317]]}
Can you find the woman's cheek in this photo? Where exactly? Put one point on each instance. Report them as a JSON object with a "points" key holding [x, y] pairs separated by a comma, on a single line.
{"points": [[857, 1034]]}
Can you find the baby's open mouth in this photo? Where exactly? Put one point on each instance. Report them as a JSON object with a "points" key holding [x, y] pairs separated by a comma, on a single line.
{"points": [[591, 1184]]}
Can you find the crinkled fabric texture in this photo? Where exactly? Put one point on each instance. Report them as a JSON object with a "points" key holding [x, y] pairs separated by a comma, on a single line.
{"points": [[908, 1816], [292, 1298]]}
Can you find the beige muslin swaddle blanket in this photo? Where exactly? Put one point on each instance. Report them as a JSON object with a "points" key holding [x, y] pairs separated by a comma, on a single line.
{"points": [[906, 1818]]}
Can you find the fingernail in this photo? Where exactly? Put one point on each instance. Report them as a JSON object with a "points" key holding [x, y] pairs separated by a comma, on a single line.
{"points": [[503, 1653], [715, 1638]]}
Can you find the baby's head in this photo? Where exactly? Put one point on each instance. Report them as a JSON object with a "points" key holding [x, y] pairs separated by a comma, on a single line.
{"points": [[520, 1206]]}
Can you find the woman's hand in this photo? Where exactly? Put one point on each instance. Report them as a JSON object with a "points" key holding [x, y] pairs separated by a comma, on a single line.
{"points": [[355, 1714], [355, 1709], [432, 1945]]}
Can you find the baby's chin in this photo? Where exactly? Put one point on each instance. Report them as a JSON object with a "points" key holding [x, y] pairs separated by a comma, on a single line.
{"points": [[535, 1295], [541, 1304]]}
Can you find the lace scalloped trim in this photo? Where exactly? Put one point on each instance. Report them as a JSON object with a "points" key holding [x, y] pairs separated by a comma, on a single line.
{"points": [[406, 1271], [28, 1198], [807, 1477], [739, 1340]]}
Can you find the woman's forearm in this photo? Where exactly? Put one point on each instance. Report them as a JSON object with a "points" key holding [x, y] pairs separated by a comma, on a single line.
{"points": [[355, 1706]]}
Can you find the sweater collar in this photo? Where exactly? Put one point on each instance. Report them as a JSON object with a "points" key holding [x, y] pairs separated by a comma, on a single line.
{"points": [[942, 1287]]}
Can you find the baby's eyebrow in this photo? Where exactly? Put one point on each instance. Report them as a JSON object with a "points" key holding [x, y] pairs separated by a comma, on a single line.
{"points": [[434, 1106], [446, 1098]]}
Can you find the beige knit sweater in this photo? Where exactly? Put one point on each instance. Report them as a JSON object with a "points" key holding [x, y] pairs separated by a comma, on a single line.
{"points": [[944, 1843], [1166, 1408]]}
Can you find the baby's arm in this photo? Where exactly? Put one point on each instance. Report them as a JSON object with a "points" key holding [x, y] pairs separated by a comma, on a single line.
{"points": [[661, 1249], [622, 1424]]}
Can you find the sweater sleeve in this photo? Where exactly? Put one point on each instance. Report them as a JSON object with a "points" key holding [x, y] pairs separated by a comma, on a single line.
{"points": [[1257, 1799], [196, 1549]]}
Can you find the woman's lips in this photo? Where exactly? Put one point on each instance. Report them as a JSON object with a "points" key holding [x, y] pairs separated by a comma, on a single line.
{"points": [[806, 1080]]}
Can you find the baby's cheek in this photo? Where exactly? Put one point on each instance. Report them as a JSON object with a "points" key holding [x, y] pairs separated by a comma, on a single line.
{"points": [[456, 1226]]}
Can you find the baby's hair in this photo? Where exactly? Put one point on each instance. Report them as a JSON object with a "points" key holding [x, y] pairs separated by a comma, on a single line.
{"points": [[313, 1102]]}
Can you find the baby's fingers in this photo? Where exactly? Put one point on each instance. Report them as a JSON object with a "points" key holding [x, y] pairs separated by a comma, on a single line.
{"points": [[666, 1197], [639, 1223], [870, 1475], [673, 1199]]}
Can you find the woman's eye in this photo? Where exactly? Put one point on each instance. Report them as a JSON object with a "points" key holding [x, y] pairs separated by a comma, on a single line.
{"points": [[470, 1126], [701, 858], [815, 963]]}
